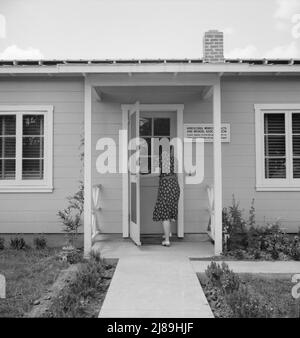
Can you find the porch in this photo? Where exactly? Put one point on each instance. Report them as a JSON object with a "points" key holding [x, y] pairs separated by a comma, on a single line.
{"points": [[113, 247], [152, 91]]}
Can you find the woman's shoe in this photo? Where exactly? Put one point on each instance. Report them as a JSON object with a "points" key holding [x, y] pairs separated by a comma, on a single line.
{"points": [[165, 243]]}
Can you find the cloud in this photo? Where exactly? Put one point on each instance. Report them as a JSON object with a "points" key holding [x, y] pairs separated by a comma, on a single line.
{"points": [[2, 27], [14, 52], [291, 50], [286, 8], [228, 30], [250, 51]]}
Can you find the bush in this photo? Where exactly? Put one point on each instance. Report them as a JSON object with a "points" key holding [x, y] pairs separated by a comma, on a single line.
{"points": [[222, 277], [244, 240], [74, 257], [18, 243], [40, 243], [234, 227], [71, 217], [2, 243]]}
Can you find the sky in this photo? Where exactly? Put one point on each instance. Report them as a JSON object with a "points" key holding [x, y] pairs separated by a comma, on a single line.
{"points": [[120, 29]]}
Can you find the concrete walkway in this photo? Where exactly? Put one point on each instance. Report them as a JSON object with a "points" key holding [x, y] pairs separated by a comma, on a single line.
{"points": [[288, 267], [160, 286]]}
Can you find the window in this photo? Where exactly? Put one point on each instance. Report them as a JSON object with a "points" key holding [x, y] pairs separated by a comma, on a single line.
{"points": [[153, 128], [277, 147], [26, 148]]}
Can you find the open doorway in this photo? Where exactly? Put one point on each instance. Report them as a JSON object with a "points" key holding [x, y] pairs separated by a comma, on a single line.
{"points": [[153, 125], [140, 189]]}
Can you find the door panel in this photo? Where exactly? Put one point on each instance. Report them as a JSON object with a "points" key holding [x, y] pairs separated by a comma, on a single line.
{"points": [[134, 177]]}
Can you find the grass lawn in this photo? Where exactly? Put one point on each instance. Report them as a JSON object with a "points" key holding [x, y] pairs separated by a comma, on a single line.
{"points": [[29, 273], [272, 289]]}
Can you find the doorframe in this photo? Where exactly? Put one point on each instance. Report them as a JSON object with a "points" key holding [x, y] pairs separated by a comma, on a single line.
{"points": [[178, 109]]}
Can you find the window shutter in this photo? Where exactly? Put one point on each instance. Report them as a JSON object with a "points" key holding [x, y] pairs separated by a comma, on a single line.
{"points": [[33, 147], [274, 145], [7, 147], [296, 144]]}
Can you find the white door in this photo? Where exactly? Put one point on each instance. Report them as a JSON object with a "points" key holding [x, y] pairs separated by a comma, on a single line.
{"points": [[134, 175]]}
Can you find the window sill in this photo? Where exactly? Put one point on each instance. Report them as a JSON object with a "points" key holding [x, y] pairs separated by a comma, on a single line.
{"points": [[25, 189], [278, 188]]}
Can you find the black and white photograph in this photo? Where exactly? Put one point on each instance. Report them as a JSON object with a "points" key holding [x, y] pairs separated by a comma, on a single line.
{"points": [[150, 162]]}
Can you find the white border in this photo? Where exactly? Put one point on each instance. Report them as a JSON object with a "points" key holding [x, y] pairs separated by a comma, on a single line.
{"points": [[263, 184], [45, 185]]}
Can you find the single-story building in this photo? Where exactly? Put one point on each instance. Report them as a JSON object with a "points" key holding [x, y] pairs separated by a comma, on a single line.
{"points": [[248, 112]]}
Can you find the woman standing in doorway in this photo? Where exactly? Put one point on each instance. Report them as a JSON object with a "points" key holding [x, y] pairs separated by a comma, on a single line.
{"points": [[166, 206]]}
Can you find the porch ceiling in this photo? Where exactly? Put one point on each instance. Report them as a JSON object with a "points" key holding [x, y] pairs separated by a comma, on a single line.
{"points": [[151, 94]]}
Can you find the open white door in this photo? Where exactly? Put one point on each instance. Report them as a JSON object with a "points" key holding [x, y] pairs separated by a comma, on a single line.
{"points": [[134, 175]]}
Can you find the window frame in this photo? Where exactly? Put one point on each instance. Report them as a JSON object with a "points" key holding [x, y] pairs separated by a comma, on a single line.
{"points": [[275, 184], [18, 184]]}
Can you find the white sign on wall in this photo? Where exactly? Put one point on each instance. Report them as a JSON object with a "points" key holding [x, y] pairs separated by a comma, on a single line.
{"points": [[205, 131]]}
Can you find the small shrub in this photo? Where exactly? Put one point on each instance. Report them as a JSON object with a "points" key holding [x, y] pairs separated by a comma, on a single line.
{"points": [[74, 257], [222, 277], [40, 242], [2, 243], [18, 243], [234, 227], [246, 305], [71, 217], [214, 273]]}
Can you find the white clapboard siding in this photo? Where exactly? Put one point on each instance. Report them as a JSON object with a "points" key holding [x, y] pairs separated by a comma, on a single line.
{"points": [[37, 212]]}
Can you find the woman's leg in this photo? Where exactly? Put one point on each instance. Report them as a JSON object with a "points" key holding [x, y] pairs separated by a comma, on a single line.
{"points": [[167, 229]]}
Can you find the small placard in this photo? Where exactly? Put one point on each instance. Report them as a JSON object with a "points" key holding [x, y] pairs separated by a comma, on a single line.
{"points": [[205, 131]]}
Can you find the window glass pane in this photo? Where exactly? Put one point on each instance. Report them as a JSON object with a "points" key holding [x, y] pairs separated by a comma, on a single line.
{"points": [[33, 169], [274, 123], [275, 145], [8, 125], [296, 167], [296, 123], [145, 126], [7, 169], [161, 127], [275, 168], [33, 125], [296, 144], [33, 147], [7, 146]]}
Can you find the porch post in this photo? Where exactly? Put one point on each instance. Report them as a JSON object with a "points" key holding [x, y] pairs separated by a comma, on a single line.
{"points": [[217, 166], [87, 167]]}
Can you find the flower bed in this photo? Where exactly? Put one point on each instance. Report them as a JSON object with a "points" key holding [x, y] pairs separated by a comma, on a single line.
{"points": [[248, 296], [244, 239]]}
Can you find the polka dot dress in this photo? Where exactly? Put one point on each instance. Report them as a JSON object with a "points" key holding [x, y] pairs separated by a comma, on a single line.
{"points": [[166, 206]]}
